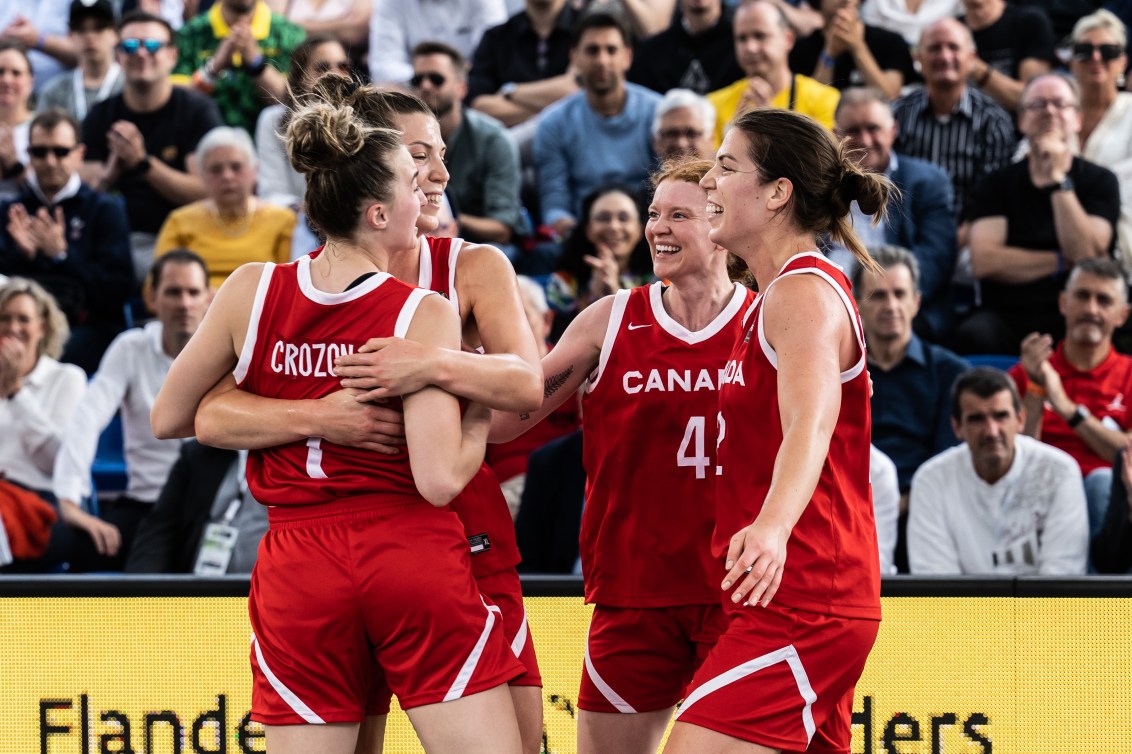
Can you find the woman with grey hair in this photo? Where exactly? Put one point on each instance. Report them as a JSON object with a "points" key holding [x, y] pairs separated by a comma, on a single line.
{"points": [[229, 227], [37, 393], [1099, 49]]}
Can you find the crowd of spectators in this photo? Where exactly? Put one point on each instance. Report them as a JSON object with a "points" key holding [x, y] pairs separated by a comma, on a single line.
{"points": [[140, 164]]}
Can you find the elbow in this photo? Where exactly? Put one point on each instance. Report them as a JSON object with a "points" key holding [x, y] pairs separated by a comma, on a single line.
{"points": [[207, 431], [166, 425], [440, 488], [159, 424], [529, 396]]}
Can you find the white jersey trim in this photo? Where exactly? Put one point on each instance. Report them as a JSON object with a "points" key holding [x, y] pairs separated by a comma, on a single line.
{"points": [[787, 654], [288, 696], [460, 685], [769, 351], [409, 310], [306, 286], [424, 274], [606, 690], [520, 639], [678, 331], [244, 363], [424, 271], [616, 314], [453, 253]]}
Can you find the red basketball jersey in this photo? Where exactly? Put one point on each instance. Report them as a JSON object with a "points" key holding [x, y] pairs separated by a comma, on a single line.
{"points": [[647, 415], [831, 556], [481, 506], [294, 335]]}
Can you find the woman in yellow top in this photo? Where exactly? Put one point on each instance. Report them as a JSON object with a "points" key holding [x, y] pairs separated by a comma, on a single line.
{"points": [[230, 227]]}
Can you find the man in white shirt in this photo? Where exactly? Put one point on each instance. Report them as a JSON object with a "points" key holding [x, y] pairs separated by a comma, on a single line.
{"points": [[1002, 503], [128, 379], [397, 26]]}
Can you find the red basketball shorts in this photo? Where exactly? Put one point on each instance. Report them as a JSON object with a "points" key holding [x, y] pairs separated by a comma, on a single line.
{"points": [[505, 591], [782, 678], [345, 603], [503, 594], [642, 659]]}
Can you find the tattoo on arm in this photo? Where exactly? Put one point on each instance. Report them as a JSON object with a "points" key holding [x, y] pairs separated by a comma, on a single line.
{"points": [[555, 381]]}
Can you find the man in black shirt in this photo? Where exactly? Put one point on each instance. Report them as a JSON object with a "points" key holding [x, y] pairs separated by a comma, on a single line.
{"points": [[697, 52], [1014, 44], [141, 142], [1033, 220], [520, 66], [846, 52]]}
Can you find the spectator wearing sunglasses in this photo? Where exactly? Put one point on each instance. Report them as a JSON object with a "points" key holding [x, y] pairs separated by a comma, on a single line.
{"points": [[70, 239], [238, 52], [1100, 58], [98, 75], [482, 159], [279, 183], [140, 142], [1033, 220]]}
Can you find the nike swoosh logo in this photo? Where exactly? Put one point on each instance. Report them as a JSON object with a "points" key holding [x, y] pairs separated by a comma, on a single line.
{"points": [[637, 327]]}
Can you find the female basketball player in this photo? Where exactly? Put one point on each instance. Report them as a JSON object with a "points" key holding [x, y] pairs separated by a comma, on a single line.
{"points": [[480, 282], [332, 628], [650, 360], [794, 527]]}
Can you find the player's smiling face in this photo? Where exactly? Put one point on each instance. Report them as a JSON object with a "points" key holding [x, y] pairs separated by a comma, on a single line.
{"points": [[421, 134], [735, 195], [677, 231]]}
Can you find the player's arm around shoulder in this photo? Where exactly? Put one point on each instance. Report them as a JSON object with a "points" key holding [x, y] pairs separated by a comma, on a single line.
{"points": [[564, 370], [445, 449], [210, 353], [488, 288]]}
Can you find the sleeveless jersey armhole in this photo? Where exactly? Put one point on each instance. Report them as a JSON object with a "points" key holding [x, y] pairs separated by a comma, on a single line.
{"points": [[850, 310], [453, 254], [616, 314], [408, 310], [252, 336]]}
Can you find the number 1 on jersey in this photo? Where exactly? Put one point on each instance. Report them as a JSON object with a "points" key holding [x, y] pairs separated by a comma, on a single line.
{"points": [[314, 458]]}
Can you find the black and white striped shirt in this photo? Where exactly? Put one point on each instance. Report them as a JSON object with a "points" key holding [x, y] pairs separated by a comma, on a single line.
{"points": [[975, 139]]}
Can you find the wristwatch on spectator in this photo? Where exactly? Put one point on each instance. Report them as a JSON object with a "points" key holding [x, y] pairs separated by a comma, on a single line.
{"points": [[508, 89], [142, 167], [1079, 415], [256, 67]]}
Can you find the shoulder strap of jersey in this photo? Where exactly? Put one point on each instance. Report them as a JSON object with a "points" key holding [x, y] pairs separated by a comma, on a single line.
{"points": [[616, 314], [815, 264], [408, 310], [252, 336]]}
